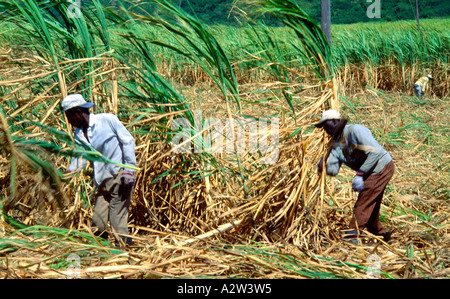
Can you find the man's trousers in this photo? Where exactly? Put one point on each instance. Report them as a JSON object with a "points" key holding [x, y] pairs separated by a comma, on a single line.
{"points": [[418, 90], [367, 207], [112, 202]]}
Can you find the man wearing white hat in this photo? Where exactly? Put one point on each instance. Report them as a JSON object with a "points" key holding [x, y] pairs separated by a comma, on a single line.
{"points": [[420, 87], [355, 146], [106, 134]]}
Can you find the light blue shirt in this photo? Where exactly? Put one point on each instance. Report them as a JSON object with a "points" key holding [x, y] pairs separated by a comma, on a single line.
{"points": [[357, 149], [108, 136]]}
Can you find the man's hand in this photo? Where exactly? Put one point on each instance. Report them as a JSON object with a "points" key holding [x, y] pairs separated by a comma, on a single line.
{"points": [[320, 166], [128, 178], [358, 183]]}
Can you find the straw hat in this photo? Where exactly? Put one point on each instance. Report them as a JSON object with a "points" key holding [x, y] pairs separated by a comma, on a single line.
{"points": [[75, 100]]}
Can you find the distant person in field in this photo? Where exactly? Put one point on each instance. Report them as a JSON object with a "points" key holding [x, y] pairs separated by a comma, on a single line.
{"points": [[355, 146], [105, 133], [420, 87]]}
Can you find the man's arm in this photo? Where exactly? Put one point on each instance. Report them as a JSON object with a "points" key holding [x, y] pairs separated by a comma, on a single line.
{"points": [[127, 141], [333, 163], [76, 163]]}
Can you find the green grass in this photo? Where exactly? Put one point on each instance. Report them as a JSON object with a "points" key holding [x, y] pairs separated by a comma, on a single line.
{"points": [[400, 42], [367, 43]]}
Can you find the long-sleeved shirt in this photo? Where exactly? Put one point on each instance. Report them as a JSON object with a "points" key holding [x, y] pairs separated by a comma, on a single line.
{"points": [[107, 135], [357, 149], [423, 82]]}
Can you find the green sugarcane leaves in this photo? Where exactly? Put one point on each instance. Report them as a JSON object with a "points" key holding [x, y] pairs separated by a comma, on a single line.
{"points": [[313, 43]]}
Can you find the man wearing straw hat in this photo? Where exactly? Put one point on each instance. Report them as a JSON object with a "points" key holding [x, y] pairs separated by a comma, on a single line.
{"points": [[106, 134], [420, 87], [355, 146]]}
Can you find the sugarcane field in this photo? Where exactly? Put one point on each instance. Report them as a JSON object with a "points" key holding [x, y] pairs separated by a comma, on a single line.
{"points": [[140, 142]]}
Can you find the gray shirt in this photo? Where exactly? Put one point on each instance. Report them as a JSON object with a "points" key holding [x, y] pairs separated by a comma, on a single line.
{"points": [[357, 149]]}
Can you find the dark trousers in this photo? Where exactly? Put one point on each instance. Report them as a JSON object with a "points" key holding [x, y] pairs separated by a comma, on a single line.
{"points": [[367, 208]]}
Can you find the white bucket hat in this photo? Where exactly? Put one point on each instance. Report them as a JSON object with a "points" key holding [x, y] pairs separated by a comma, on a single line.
{"points": [[327, 115], [75, 100]]}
